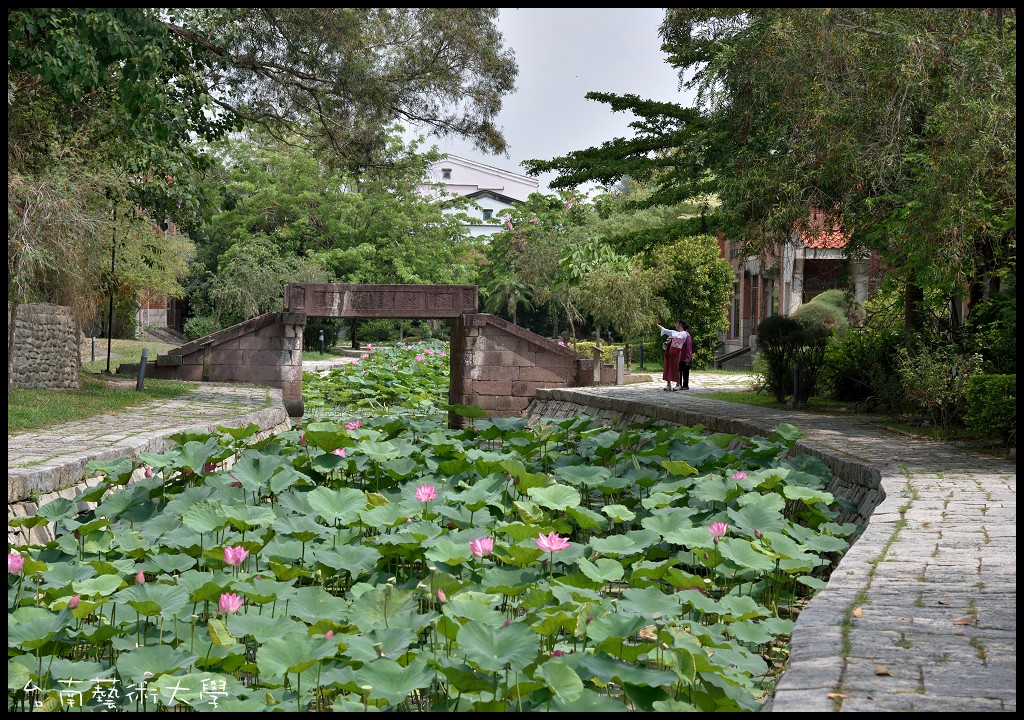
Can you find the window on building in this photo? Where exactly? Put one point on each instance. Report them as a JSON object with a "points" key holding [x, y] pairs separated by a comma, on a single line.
{"points": [[446, 173], [488, 214]]}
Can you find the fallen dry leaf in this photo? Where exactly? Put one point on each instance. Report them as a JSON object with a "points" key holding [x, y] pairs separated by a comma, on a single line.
{"points": [[857, 612], [648, 633], [969, 620], [941, 602], [837, 696], [882, 670]]}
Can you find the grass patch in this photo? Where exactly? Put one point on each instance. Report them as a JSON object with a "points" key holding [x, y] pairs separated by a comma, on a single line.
{"points": [[31, 409], [752, 397], [121, 351]]}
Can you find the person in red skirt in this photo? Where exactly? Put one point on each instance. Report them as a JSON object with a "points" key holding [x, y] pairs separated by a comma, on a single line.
{"points": [[676, 340]]}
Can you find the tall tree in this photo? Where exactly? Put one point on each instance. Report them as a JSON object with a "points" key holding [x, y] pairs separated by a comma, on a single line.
{"points": [[901, 122]]}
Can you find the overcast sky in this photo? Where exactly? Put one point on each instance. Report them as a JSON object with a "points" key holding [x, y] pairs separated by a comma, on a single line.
{"points": [[562, 54]]}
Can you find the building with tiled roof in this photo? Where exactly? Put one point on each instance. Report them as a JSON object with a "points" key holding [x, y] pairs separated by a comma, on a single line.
{"points": [[812, 261]]}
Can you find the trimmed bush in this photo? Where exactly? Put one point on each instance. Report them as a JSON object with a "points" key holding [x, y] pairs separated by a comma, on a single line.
{"points": [[992, 405], [861, 363], [845, 301], [821, 316]]}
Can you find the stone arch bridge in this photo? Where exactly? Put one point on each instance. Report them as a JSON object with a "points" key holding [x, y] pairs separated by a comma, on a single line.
{"points": [[495, 365]]}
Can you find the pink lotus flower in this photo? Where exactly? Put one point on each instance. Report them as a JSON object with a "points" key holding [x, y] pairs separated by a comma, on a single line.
{"points": [[442, 354], [354, 425], [209, 468], [369, 346], [15, 562], [340, 452], [739, 475], [149, 471], [552, 542], [235, 555], [718, 530], [426, 493], [481, 547], [365, 355], [329, 634], [441, 597], [757, 534], [73, 602], [420, 358], [429, 352], [236, 483], [229, 604], [302, 440], [140, 578]]}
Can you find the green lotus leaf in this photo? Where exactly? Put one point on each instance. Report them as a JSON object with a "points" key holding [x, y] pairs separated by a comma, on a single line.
{"points": [[392, 682], [154, 598], [508, 581], [262, 628], [248, 517], [293, 653], [555, 497], [144, 663], [492, 649], [609, 670], [475, 607], [342, 505], [255, 469], [204, 517], [586, 518], [118, 471], [618, 513], [58, 509], [649, 602], [61, 574], [32, 627], [746, 554], [601, 570], [614, 545], [313, 603], [354, 559], [585, 475], [102, 585], [303, 528], [380, 642], [561, 680]]}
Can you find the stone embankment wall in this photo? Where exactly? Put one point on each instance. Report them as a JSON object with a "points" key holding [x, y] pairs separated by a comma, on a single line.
{"points": [[46, 350]]}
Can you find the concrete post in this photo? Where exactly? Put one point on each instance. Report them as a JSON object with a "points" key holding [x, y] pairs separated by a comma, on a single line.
{"points": [[597, 365], [620, 367]]}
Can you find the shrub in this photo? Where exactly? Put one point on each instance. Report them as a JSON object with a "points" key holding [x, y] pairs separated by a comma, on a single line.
{"points": [[381, 330], [991, 330], [821, 316], [845, 301], [992, 405], [935, 382], [199, 326], [777, 339], [861, 363]]}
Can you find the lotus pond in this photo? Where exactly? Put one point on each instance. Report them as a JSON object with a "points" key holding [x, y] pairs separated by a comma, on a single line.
{"points": [[386, 562]]}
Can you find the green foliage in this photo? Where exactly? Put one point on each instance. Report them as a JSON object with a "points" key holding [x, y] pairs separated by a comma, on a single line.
{"points": [[992, 406], [934, 380], [821, 316], [32, 409], [845, 301], [199, 326], [785, 344], [359, 540], [311, 333], [991, 331], [790, 105], [413, 375], [699, 289], [861, 363], [379, 330]]}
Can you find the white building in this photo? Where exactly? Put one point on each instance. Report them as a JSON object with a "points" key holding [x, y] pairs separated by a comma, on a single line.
{"points": [[493, 191]]}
